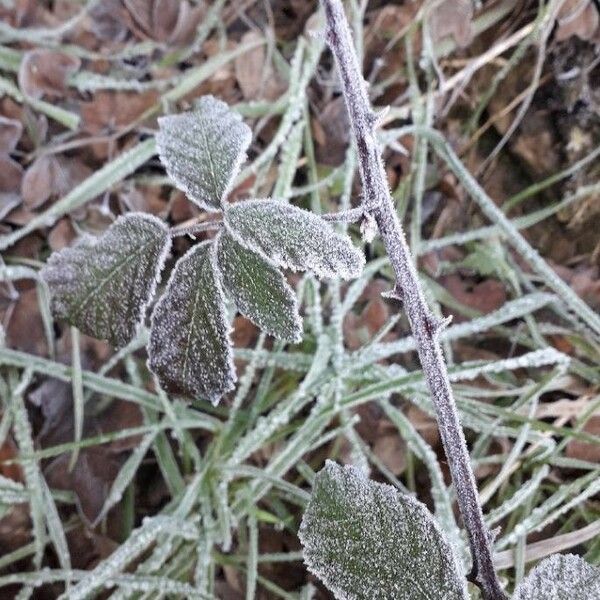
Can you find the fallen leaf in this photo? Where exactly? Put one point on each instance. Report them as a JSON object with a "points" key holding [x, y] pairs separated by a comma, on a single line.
{"points": [[51, 176], [254, 73], [108, 20], [452, 18], [45, 72], [170, 21], [10, 133], [110, 111], [577, 17]]}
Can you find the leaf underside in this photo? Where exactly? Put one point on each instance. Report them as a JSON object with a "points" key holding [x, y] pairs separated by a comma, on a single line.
{"points": [[258, 289], [203, 150], [561, 576], [294, 238], [189, 348], [103, 285], [365, 540]]}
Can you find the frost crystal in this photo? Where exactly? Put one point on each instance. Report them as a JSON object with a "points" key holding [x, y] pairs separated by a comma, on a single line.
{"points": [[203, 150], [365, 540], [561, 576], [258, 288], [103, 285], [294, 238], [189, 349]]}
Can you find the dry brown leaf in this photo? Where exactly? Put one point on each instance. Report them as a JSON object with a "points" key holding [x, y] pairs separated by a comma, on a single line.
{"points": [[10, 133], [577, 17], [108, 21], [169, 21], [62, 235], [452, 18], [485, 297], [51, 176], [585, 450], [45, 72], [255, 75], [109, 111], [25, 329]]}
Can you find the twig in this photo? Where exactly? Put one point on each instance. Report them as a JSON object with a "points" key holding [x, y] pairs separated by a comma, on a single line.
{"points": [[195, 228], [426, 329]]}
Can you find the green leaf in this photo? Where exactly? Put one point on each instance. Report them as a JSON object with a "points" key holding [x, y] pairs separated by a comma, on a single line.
{"points": [[102, 285], [561, 576], [189, 350], [294, 238], [258, 289], [203, 150], [365, 540]]}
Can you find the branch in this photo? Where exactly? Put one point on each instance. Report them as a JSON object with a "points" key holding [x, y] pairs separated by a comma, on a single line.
{"points": [[378, 202]]}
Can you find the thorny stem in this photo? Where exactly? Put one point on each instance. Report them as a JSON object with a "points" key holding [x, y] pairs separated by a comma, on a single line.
{"points": [[378, 202]]}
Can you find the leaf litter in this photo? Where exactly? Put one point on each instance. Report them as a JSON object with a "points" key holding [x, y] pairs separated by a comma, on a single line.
{"points": [[559, 130]]}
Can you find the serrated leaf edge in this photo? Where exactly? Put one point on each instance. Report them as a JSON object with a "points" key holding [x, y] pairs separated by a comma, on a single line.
{"points": [[343, 274], [90, 241], [288, 288], [340, 594], [231, 373], [235, 167]]}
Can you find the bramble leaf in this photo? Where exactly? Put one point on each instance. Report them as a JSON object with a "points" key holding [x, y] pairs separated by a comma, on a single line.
{"points": [[103, 285], [294, 238], [560, 576], [258, 288], [203, 150], [365, 540], [189, 348]]}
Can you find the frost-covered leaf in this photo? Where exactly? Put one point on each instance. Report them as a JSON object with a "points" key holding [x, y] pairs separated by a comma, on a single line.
{"points": [[189, 349], [365, 540], [294, 238], [102, 285], [202, 150], [258, 288], [561, 576]]}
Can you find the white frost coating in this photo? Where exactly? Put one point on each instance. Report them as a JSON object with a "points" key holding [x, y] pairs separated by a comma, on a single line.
{"points": [[294, 238], [136, 544], [189, 350], [365, 540], [561, 577], [103, 285], [203, 150], [258, 288]]}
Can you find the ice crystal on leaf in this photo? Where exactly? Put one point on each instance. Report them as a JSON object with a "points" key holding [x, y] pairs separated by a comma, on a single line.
{"points": [[561, 576], [203, 150], [365, 540], [258, 288], [103, 285], [294, 238], [189, 349]]}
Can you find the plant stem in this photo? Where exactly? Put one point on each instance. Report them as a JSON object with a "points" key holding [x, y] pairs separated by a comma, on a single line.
{"points": [[378, 202]]}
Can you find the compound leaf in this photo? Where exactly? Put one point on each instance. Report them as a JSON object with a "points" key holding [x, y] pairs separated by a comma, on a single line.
{"points": [[102, 285], [561, 576], [203, 150], [189, 349], [365, 540], [258, 288], [294, 238]]}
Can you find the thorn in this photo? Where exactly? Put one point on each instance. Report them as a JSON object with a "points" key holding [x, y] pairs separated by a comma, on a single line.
{"points": [[380, 116], [493, 534], [441, 325], [394, 294]]}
